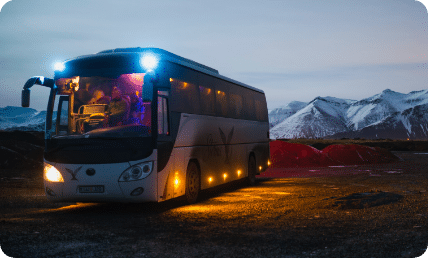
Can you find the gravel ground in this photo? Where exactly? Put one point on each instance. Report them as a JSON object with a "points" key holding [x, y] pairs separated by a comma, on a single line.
{"points": [[383, 213]]}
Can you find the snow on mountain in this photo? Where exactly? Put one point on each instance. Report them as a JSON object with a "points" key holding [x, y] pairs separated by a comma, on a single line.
{"points": [[388, 114], [278, 115], [24, 119], [322, 116], [380, 106]]}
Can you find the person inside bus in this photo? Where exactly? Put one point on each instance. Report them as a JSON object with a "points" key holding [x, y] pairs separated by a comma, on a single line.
{"points": [[100, 98], [81, 96], [136, 110], [118, 108]]}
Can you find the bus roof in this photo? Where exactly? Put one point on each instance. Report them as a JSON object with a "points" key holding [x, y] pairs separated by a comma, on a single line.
{"points": [[165, 55]]}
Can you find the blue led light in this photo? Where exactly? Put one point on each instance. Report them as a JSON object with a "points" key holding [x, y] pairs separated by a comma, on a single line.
{"points": [[59, 66], [149, 62]]}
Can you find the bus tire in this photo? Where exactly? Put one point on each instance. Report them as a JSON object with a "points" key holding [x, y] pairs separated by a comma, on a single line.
{"points": [[252, 170], [193, 182]]}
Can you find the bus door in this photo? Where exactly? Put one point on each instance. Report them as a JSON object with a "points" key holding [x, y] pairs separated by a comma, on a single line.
{"points": [[62, 116], [169, 177]]}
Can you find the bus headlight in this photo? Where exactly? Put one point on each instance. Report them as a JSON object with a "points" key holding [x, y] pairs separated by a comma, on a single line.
{"points": [[137, 172], [51, 174]]}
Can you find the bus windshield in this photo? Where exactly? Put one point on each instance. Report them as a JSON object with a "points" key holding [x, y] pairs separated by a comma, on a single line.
{"points": [[103, 107]]}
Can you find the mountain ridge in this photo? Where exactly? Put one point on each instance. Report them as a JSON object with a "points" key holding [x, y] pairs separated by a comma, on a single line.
{"points": [[388, 114]]}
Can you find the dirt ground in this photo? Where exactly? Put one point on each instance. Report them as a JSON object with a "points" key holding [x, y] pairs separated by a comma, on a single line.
{"points": [[366, 211]]}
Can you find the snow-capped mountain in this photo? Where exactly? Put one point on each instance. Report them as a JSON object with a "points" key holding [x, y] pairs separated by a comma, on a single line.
{"points": [[389, 114], [23, 119], [322, 116], [278, 115]]}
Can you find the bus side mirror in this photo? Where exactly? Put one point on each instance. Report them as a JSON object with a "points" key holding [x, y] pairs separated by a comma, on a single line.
{"points": [[40, 80], [25, 98]]}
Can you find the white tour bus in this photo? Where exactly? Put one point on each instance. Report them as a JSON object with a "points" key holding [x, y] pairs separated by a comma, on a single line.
{"points": [[143, 124]]}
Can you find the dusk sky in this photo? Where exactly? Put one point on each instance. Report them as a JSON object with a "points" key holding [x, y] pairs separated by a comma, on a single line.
{"points": [[291, 49]]}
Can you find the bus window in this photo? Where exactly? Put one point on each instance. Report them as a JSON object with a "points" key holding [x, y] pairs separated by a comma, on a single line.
{"points": [[235, 105], [221, 101], [185, 96], [261, 112], [249, 112], [207, 100], [163, 127], [62, 116]]}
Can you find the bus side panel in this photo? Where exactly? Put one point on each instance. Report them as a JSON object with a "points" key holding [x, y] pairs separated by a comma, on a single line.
{"points": [[222, 146], [200, 130]]}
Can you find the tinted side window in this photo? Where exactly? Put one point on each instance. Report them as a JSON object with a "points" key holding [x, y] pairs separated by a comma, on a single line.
{"points": [[185, 96], [261, 109], [221, 100], [249, 111], [207, 98], [235, 105]]}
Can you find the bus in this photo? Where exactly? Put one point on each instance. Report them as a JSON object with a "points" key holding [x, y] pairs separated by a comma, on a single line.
{"points": [[146, 125]]}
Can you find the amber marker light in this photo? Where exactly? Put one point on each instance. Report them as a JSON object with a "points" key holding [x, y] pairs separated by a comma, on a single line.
{"points": [[170, 79], [268, 163], [239, 173], [224, 176], [176, 181], [210, 179], [260, 168]]}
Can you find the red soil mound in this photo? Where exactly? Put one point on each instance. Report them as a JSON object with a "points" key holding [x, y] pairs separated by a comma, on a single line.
{"points": [[284, 154], [353, 154]]}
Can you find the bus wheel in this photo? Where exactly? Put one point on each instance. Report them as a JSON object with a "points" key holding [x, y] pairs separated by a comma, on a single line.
{"points": [[193, 182], [252, 170]]}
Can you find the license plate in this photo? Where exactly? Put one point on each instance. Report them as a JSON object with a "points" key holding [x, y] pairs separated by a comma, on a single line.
{"points": [[91, 189]]}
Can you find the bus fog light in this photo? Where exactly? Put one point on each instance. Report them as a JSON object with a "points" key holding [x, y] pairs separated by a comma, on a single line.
{"points": [[137, 191], [50, 191], [137, 172]]}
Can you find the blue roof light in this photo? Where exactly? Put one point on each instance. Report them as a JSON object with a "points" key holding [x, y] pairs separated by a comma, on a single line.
{"points": [[59, 66], [149, 61]]}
